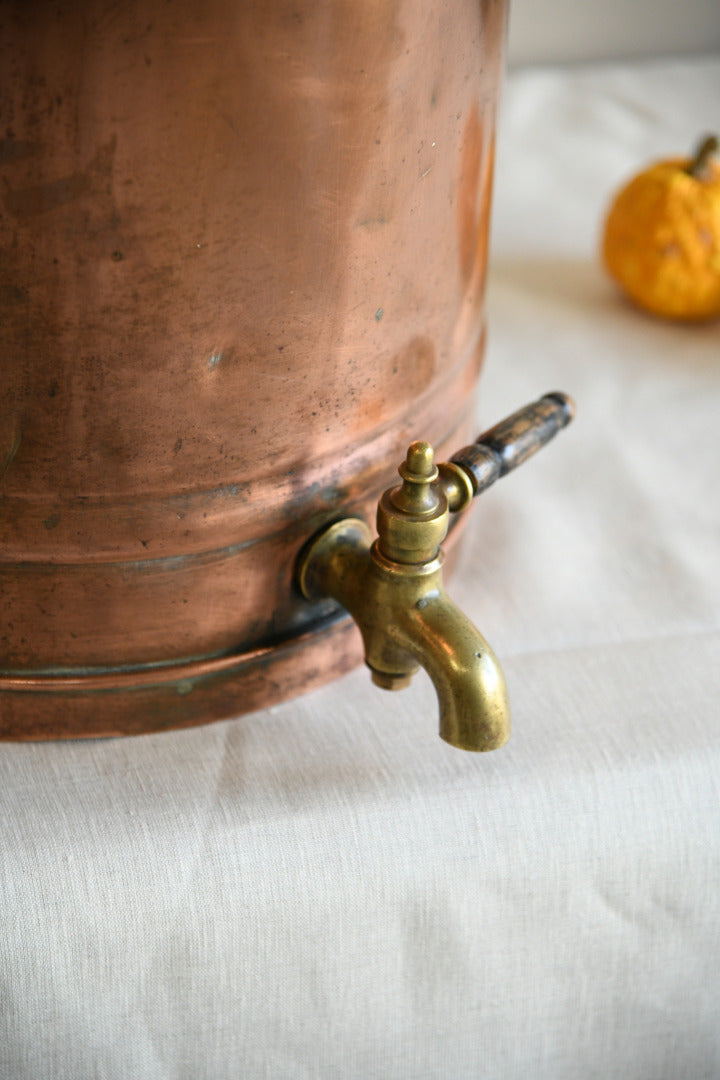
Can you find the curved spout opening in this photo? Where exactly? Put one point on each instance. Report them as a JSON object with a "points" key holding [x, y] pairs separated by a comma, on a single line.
{"points": [[470, 684]]}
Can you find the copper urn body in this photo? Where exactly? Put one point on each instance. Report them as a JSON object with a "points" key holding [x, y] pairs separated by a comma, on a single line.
{"points": [[243, 259]]}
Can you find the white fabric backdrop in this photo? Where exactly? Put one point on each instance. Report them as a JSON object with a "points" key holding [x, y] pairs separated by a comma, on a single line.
{"points": [[327, 890]]}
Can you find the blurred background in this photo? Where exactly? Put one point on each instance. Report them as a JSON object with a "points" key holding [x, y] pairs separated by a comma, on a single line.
{"points": [[565, 31]]}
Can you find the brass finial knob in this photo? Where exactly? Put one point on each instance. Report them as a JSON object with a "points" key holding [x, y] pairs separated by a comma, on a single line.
{"points": [[412, 519], [419, 464], [418, 472]]}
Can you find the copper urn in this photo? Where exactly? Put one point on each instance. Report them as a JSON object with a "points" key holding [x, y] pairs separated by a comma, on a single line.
{"points": [[243, 258]]}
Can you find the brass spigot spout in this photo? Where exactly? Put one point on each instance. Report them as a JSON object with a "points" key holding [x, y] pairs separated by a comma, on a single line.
{"points": [[407, 619], [393, 587], [470, 685]]}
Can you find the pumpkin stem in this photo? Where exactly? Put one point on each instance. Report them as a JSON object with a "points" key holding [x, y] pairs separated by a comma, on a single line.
{"points": [[698, 167]]}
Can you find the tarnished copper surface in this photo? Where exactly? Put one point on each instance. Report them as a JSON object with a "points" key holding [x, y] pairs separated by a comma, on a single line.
{"points": [[242, 257]]}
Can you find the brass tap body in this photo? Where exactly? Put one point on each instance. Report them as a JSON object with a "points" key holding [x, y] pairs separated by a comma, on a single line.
{"points": [[393, 586]]}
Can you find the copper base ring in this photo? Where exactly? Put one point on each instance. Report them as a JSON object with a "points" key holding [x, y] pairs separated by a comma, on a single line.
{"points": [[131, 701]]}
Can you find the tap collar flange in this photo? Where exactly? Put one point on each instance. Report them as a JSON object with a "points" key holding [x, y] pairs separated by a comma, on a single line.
{"points": [[406, 570]]}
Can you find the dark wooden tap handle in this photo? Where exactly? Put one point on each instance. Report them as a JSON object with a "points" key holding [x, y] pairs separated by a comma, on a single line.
{"points": [[515, 439]]}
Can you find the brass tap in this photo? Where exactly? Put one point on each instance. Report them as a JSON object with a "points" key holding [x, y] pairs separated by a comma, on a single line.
{"points": [[393, 586]]}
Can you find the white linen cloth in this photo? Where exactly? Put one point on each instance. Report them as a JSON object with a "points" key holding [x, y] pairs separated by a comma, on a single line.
{"points": [[325, 889]]}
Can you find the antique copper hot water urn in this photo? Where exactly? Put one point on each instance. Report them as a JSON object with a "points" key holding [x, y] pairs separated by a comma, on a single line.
{"points": [[243, 250]]}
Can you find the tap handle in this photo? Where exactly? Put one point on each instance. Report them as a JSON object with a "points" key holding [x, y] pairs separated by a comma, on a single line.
{"points": [[515, 439]]}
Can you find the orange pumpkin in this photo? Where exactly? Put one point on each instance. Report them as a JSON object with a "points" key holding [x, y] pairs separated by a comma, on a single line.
{"points": [[661, 240]]}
